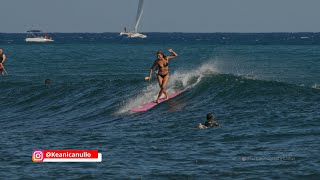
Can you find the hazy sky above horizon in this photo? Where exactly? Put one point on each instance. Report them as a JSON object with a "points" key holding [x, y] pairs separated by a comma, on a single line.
{"points": [[161, 15]]}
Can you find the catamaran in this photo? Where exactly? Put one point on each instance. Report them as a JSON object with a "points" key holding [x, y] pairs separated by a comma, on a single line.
{"points": [[135, 33], [35, 36]]}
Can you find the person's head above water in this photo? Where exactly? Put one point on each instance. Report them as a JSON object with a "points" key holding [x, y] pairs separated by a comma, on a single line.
{"points": [[48, 82], [160, 55], [1, 51], [210, 116]]}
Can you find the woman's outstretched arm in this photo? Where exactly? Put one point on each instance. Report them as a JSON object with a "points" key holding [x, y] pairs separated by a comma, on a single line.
{"points": [[154, 64]]}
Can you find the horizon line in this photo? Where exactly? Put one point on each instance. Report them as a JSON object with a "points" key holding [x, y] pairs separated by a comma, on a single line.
{"points": [[176, 32]]}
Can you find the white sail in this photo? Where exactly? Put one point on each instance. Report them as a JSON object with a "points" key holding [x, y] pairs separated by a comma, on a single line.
{"points": [[135, 33], [139, 15]]}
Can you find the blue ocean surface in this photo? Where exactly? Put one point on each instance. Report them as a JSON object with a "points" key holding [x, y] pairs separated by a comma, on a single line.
{"points": [[264, 88]]}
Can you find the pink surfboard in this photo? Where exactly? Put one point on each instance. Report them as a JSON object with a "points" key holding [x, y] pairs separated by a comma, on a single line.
{"points": [[152, 104]]}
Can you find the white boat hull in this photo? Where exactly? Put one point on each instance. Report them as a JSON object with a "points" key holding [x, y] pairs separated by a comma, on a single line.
{"points": [[39, 39], [133, 35]]}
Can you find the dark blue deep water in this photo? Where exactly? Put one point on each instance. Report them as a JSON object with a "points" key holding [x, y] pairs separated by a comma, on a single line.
{"points": [[264, 88]]}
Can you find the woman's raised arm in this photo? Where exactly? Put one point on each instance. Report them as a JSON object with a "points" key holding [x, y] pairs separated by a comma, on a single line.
{"points": [[173, 53]]}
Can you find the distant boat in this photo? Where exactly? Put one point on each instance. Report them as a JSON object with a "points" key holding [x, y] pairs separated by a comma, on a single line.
{"points": [[37, 36], [135, 33]]}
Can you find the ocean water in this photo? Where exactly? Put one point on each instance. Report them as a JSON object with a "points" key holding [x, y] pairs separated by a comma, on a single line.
{"points": [[264, 89]]}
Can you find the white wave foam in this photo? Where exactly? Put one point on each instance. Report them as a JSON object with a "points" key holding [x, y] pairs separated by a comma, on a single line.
{"points": [[179, 80]]}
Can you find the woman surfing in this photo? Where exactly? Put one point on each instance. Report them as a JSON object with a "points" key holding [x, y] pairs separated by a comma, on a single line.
{"points": [[163, 71]]}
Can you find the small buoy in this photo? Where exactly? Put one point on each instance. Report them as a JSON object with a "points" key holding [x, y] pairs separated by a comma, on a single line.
{"points": [[146, 78]]}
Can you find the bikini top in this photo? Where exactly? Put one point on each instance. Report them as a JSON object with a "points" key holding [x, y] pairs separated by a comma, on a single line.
{"points": [[165, 65]]}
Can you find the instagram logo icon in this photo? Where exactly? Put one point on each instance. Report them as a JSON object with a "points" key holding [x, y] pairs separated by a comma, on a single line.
{"points": [[37, 156]]}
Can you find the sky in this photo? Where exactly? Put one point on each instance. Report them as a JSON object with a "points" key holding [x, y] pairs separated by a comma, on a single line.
{"points": [[161, 15]]}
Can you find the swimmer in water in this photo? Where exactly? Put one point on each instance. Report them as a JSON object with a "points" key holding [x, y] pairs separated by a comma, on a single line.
{"points": [[209, 122], [47, 82], [2, 60]]}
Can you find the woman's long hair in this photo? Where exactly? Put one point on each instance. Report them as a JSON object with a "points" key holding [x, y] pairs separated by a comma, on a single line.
{"points": [[160, 52]]}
